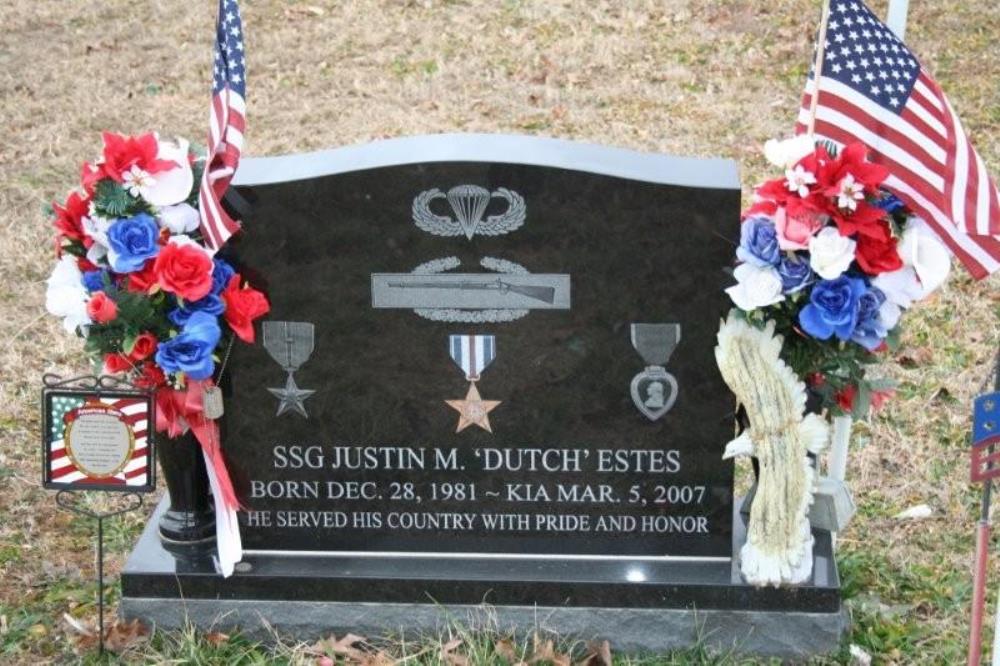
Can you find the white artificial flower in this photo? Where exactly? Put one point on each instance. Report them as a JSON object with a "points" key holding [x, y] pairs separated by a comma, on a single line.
{"points": [[901, 287], [174, 185], [889, 314], [66, 296], [849, 193], [97, 227], [756, 287], [830, 254], [787, 153], [184, 239], [798, 180], [137, 182], [179, 219], [921, 250]]}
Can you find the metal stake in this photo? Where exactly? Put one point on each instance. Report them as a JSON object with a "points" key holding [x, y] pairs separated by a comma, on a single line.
{"points": [[99, 517]]}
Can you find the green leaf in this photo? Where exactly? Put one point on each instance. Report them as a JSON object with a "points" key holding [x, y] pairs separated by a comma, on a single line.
{"points": [[862, 402], [112, 200]]}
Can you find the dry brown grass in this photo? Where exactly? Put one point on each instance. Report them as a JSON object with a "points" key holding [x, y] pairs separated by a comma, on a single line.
{"points": [[698, 77]]}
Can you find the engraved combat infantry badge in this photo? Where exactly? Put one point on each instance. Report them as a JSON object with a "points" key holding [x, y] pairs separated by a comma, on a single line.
{"points": [[654, 390]]}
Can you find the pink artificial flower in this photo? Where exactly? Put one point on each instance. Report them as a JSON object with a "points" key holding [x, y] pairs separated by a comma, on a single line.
{"points": [[795, 231]]}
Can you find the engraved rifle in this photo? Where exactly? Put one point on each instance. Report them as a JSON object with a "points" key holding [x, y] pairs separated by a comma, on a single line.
{"points": [[537, 292]]}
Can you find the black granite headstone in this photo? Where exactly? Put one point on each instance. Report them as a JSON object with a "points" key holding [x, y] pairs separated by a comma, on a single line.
{"points": [[372, 460], [583, 487]]}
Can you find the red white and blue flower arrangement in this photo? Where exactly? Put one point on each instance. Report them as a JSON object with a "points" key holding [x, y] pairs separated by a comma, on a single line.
{"points": [[833, 259], [134, 279]]}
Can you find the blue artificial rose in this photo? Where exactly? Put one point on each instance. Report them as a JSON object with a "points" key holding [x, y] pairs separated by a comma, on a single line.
{"points": [[222, 272], [190, 352], [833, 308], [795, 274], [131, 241], [889, 202], [94, 280], [210, 304], [758, 242], [870, 331]]}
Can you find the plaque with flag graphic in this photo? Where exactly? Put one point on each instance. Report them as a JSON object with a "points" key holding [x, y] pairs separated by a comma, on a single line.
{"points": [[97, 440], [985, 434]]}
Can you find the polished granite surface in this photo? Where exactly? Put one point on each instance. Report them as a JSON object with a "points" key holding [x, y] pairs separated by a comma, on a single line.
{"points": [[155, 572]]}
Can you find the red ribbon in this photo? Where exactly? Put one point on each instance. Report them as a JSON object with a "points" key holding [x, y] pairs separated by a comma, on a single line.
{"points": [[176, 411]]}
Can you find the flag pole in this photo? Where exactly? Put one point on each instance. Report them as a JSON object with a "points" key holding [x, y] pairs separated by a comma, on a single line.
{"points": [[818, 67]]}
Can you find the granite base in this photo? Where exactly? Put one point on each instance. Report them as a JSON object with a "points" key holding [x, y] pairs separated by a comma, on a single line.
{"points": [[639, 605]]}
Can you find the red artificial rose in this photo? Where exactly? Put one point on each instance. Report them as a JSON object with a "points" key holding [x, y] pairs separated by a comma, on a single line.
{"points": [[877, 253], [150, 377], [243, 306], [68, 222], [184, 270], [85, 264], [100, 308], [121, 153], [845, 397], [117, 363], [141, 281], [144, 347]]}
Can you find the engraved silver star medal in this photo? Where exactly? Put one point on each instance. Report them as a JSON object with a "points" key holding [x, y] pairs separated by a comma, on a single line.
{"points": [[290, 343], [473, 354], [654, 390]]}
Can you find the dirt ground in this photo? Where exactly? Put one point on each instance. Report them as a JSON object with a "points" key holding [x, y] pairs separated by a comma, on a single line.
{"points": [[698, 77]]}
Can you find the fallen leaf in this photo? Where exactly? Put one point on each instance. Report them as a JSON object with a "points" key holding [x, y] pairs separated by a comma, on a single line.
{"points": [[345, 647], [122, 636], [505, 648], [859, 656], [216, 638], [545, 650], [76, 626], [378, 658], [915, 356], [918, 512], [449, 656], [598, 654]]}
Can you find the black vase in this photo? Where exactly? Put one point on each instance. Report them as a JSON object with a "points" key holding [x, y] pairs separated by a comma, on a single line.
{"points": [[190, 518]]}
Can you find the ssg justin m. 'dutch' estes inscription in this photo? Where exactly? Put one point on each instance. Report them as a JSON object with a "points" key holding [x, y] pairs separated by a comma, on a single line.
{"points": [[473, 358]]}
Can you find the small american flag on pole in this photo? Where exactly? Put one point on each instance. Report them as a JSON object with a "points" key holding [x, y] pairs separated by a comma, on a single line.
{"points": [[872, 89], [227, 122]]}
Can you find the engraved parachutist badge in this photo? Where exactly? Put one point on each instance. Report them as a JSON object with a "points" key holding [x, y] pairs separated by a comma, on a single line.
{"points": [[469, 203]]}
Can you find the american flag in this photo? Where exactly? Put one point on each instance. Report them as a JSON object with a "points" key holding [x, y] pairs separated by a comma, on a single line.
{"points": [[227, 122], [135, 472], [873, 90]]}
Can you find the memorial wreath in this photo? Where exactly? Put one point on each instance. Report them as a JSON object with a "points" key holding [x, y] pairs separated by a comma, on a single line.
{"points": [[833, 259], [136, 280]]}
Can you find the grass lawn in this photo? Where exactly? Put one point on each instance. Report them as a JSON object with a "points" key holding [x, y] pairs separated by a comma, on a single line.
{"points": [[694, 77]]}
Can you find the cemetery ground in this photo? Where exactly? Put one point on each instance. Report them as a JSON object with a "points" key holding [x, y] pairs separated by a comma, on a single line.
{"points": [[703, 77]]}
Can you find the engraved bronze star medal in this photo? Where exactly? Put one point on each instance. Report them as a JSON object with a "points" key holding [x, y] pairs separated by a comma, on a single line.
{"points": [[290, 343], [654, 390], [472, 354]]}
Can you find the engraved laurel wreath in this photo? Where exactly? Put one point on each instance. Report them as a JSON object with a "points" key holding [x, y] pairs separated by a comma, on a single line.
{"points": [[469, 203]]}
